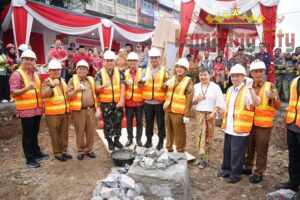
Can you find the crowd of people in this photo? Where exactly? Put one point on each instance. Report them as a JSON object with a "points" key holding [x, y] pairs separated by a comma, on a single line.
{"points": [[84, 85]]}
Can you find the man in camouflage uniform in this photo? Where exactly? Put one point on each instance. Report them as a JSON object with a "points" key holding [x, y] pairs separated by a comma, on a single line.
{"points": [[110, 86], [290, 74], [279, 64]]}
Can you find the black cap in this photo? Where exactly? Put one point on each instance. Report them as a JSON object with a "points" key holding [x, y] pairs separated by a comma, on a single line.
{"points": [[81, 46]]}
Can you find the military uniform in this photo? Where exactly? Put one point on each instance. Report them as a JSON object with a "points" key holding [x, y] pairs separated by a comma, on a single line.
{"points": [[108, 98], [289, 75], [279, 72]]}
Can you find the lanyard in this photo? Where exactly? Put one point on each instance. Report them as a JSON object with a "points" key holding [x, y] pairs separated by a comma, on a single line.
{"points": [[205, 91]]}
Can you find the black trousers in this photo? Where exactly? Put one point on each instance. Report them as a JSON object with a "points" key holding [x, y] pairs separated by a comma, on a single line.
{"points": [[152, 111], [4, 87], [234, 154], [112, 118], [293, 140], [31, 127], [138, 113]]}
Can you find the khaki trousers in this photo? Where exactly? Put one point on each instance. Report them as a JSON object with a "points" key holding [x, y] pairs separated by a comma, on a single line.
{"points": [[58, 126], [175, 131], [205, 128], [258, 146], [85, 127]]}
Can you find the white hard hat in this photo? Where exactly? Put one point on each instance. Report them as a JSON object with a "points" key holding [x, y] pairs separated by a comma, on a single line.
{"points": [[23, 47], [54, 64], [109, 55], [183, 62], [28, 54], [132, 56], [154, 52], [82, 63], [238, 69], [257, 64]]}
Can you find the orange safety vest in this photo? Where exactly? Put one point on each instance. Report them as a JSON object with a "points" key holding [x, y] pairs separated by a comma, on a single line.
{"points": [[57, 104], [112, 92], [242, 118], [75, 101], [293, 108], [264, 113], [133, 91], [154, 86], [176, 98], [30, 99]]}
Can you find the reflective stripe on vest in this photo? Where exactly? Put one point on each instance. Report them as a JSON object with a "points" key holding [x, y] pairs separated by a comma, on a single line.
{"points": [[264, 113], [153, 88], [242, 118], [31, 99], [176, 98], [293, 108], [133, 91], [75, 101], [57, 104], [112, 92]]}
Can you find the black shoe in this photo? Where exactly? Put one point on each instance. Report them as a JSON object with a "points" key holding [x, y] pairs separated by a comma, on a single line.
{"points": [[139, 142], [60, 158], [255, 179], [32, 164], [42, 156], [148, 144], [80, 156], [111, 146], [233, 179], [91, 155], [247, 172], [223, 174], [117, 143], [67, 156], [160, 144], [129, 142], [288, 185]]}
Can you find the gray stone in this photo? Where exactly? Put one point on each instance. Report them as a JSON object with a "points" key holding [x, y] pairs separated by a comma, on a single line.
{"points": [[126, 182], [131, 194], [282, 195], [162, 183], [109, 192], [97, 198], [168, 198], [139, 198]]}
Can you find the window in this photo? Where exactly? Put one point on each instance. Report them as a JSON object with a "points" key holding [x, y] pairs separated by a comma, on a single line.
{"points": [[128, 3]]}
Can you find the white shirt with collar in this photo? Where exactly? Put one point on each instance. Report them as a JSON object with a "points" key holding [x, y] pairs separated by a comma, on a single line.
{"points": [[229, 121], [213, 98]]}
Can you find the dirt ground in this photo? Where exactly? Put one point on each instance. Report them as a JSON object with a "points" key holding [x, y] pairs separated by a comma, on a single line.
{"points": [[75, 180]]}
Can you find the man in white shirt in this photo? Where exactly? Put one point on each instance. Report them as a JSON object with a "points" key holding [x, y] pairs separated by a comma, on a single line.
{"points": [[208, 101], [237, 123]]}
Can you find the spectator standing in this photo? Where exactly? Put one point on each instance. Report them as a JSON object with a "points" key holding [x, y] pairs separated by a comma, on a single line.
{"points": [[59, 53], [219, 71], [264, 56], [279, 63], [4, 81], [97, 61], [206, 62], [121, 60]]}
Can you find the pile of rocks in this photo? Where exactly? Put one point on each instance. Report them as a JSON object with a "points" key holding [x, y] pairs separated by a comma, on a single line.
{"points": [[282, 195], [154, 159], [117, 186]]}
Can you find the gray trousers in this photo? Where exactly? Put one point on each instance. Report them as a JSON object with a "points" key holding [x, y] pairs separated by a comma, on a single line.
{"points": [[234, 154]]}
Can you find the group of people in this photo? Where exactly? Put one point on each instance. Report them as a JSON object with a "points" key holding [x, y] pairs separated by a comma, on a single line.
{"points": [[68, 57], [286, 65], [248, 110]]}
